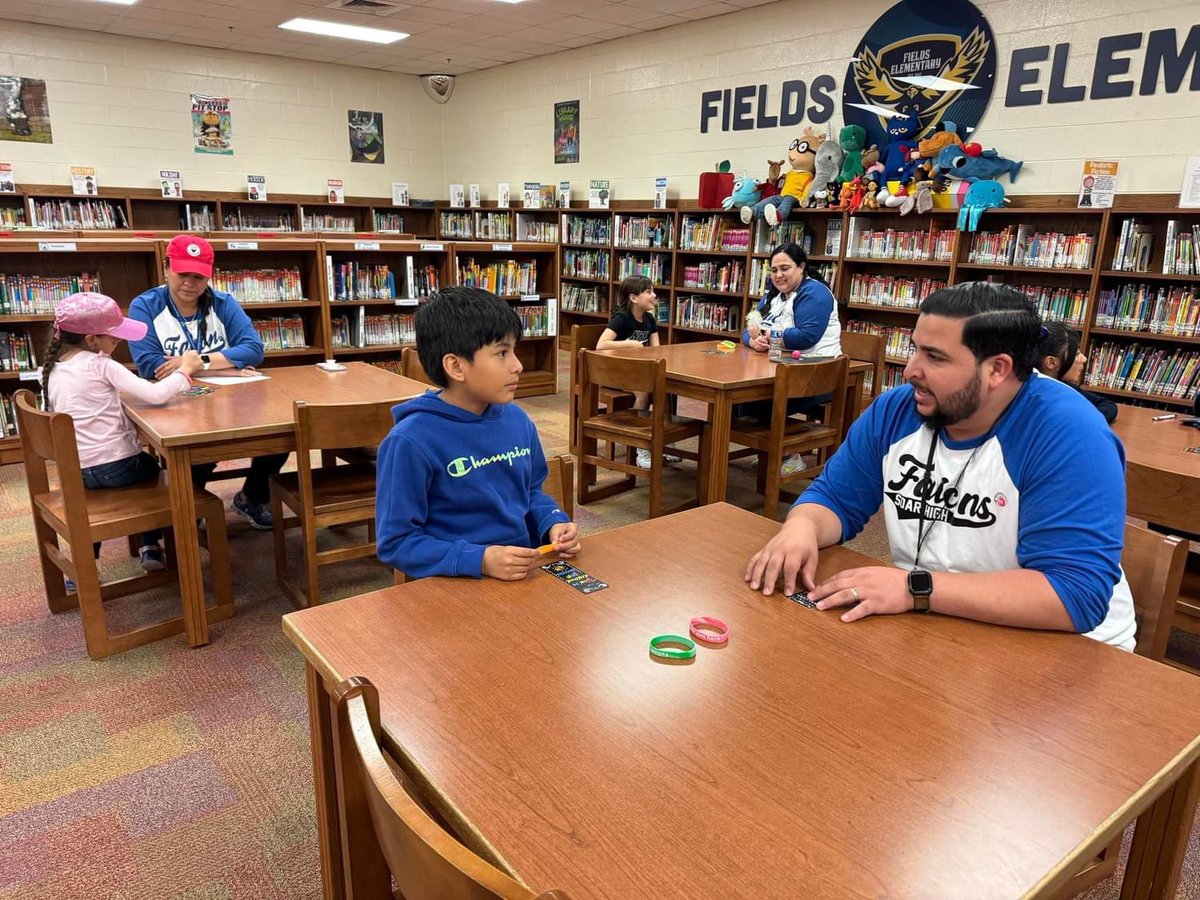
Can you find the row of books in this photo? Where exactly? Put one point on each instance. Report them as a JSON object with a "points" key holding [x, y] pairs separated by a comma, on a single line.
{"points": [[1056, 304], [1143, 307], [893, 376], [260, 285], [358, 329], [490, 226], [240, 220], [327, 222], [36, 295], [643, 232], [81, 214], [760, 274], [897, 340], [889, 243], [713, 233], [200, 217], [388, 222], [1132, 250], [16, 352], [654, 266], [281, 332], [8, 417], [1144, 369], [362, 281], [12, 217], [767, 237], [892, 290], [581, 298], [704, 312], [1179, 254], [536, 230], [587, 230], [539, 320], [585, 264], [1020, 245], [506, 277], [715, 276], [456, 225]]}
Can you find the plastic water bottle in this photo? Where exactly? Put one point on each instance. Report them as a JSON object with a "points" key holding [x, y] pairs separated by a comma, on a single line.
{"points": [[775, 345]]}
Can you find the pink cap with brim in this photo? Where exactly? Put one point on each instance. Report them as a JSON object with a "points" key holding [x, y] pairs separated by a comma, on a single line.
{"points": [[91, 313]]}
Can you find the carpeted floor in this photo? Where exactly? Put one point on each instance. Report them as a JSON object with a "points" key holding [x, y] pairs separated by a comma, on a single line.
{"points": [[174, 773]]}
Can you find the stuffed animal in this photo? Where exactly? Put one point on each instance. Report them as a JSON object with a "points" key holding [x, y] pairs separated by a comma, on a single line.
{"points": [[745, 193], [981, 196], [852, 138], [870, 160], [945, 136], [956, 162], [919, 197], [802, 156], [870, 189], [828, 162], [770, 187], [852, 194], [897, 155]]}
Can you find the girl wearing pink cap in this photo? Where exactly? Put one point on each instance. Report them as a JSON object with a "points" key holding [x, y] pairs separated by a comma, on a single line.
{"points": [[87, 384]]}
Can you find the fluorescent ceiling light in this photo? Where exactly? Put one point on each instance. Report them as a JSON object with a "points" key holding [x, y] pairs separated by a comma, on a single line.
{"points": [[121, 2], [350, 32], [933, 81], [512, 1]]}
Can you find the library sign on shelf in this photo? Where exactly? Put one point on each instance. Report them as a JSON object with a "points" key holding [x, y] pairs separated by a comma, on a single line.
{"points": [[56, 246]]}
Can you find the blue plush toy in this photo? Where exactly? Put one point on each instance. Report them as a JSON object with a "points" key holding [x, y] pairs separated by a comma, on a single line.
{"points": [[745, 193], [955, 162], [897, 156], [981, 196]]}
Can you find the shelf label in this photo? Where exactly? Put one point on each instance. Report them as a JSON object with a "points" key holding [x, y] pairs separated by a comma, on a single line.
{"points": [[241, 245], [30, 374], [429, 247], [366, 245], [502, 247], [56, 246], [530, 298], [407, 301]]}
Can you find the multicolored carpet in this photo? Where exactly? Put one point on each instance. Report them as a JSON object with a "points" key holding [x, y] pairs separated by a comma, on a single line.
{"points": [[174, 773]]}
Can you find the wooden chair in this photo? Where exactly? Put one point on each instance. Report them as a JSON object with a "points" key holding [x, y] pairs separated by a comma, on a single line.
{"points": [[585, 337], [784, 435], [425, 860], [410, 366], [869, 348], [1153, 566], [328, 496], [82, 517], [559, 484], [651, 430]]}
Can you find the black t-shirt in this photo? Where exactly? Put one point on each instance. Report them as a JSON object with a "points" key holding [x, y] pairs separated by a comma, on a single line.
{"points": [[628, 328]]}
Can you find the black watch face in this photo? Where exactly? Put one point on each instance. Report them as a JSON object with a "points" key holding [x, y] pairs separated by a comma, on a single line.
{"points": [[204, 358], [920, 583]]}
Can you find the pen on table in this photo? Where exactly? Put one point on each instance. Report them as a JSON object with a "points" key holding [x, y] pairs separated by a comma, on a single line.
{"points": [[1162, 418]]}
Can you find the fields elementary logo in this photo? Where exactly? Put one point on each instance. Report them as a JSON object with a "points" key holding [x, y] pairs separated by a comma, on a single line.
{"points": [[932, 58]]}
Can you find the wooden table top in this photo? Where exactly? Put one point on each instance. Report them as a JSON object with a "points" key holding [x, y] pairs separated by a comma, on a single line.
{"points": [[1157, 445], [696, 363], [260, 408], [902, 756]]}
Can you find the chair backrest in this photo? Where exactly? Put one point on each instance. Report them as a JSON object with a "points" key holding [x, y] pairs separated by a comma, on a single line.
{"points": [[583, 337], [1153, 565], [410, 366], [867, 348], [810, 380], [426, 862], [50, 437], [623, 373], [560, 482], [335, 426]]}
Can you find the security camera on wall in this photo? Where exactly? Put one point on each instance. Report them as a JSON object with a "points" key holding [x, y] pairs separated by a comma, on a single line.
{"points": [[438, 88]]}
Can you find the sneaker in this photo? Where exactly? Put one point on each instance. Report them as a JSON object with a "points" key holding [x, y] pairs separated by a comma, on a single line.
{"points": [[771, 214], [152, 558], [671, 458], [643, 458], [257, 514], [746, 214], [69, 585], [793, 464]]}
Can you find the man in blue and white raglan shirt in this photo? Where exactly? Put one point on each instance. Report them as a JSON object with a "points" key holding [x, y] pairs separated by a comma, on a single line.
{"points": [[1003, 491]]}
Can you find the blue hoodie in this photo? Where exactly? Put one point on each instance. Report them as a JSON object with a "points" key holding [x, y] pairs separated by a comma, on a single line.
{"points": [[451, 483]]}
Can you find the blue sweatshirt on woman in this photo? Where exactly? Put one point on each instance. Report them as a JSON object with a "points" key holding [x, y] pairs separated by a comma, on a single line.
{"points": [[452, 483]]}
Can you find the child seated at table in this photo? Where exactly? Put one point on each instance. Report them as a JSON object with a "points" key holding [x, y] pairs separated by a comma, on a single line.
{"points": [[1059, 357], [87, 384], [459, 478]]}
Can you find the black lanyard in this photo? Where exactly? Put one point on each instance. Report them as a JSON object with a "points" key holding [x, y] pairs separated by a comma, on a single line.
{"points": [[922, 534]]}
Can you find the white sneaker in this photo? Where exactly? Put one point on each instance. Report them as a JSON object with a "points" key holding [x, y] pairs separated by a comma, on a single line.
{"points": [[643, 458], [746, 214], [771, 214], [793, 464], [671, 458]]}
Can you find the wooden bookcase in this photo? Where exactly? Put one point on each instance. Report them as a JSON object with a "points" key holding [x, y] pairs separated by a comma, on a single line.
{"points": [[526, 275], [711, 272], [586, 268]]}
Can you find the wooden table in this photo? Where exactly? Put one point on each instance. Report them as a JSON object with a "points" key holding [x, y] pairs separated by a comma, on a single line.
{"points": [[902, 756], [1162, 485], [236, 422], [722, 380]]}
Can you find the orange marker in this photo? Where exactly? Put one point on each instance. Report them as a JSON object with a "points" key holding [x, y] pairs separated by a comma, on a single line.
{"points": [[545, 548]]}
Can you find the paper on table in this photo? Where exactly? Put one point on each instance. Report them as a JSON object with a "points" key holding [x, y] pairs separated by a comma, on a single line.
{"points": [[231, 379]]}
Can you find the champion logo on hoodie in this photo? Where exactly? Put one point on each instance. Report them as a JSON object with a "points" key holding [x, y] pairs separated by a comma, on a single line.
{"points": [[464, 465]]}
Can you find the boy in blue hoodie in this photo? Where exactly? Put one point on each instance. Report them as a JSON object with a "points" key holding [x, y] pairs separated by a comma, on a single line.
{"points": [[460, 474]]}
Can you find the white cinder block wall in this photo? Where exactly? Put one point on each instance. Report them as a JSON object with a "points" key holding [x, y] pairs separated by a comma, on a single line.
{"points": [[640, 98], [123, 105]]}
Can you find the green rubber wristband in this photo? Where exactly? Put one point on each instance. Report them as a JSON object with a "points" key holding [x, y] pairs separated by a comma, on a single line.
{"points": [[687, 646]]}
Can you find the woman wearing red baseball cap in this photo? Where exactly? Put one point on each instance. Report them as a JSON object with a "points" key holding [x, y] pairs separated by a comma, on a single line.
{"points": [[186, 314]]}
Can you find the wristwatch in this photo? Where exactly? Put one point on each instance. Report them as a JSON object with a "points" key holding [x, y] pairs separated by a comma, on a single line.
{"points": [[207, 360], [920, 585]]}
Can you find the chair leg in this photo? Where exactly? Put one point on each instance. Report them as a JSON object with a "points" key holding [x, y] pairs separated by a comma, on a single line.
{"points": [[771, 488], [169, 549], [57, 598], [312, 573], [135, 545], [762, 472], [702, 466], [656, 485], [278, 533], [91, 604]]}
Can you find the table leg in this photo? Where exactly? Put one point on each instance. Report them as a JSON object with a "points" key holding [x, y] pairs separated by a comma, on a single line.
{"points": [[187, 545], [1161, 839], [718, 447], [856, 384], [320, 723]]}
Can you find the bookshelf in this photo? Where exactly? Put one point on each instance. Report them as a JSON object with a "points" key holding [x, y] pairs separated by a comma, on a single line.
{"points": [[526, 275], [259, 216], [13, 212], [585, 269], [173, 214], [335, 218], [419, 221], [711, 272], [536, 226], [373, 289]]}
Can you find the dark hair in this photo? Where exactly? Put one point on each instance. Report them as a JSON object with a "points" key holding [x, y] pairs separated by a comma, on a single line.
{"points": [[631, 286], [1060, 342], [1000, 319], [54, 349], [461, 320], [799, 257]]}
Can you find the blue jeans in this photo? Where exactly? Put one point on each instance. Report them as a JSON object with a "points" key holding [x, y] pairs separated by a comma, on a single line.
{"points": [[123, 473], [784, 204], [761, 409]]}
